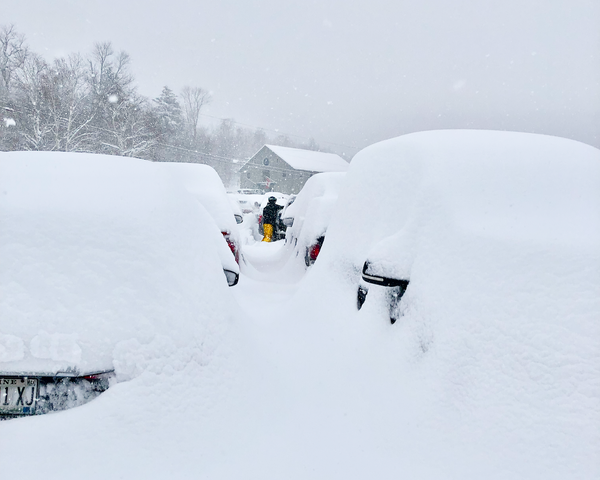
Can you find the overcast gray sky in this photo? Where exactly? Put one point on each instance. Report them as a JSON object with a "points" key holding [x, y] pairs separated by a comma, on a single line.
{"points": [[351, 72]]}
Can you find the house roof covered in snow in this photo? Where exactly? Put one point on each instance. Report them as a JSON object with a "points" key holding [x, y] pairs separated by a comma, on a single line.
{"points": [[310, 160]]}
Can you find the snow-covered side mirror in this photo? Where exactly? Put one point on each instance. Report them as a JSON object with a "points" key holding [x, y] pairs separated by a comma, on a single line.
{"points": [[384, 281], [232, 277], [288, 221], [238, 218]]}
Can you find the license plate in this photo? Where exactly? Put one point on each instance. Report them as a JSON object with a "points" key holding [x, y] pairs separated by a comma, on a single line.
{"points": [[18, 395]]}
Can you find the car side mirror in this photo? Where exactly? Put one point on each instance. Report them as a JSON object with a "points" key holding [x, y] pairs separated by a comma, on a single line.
{"points": [[238, 218], [288, 221], [368, 277], [232, 277]]}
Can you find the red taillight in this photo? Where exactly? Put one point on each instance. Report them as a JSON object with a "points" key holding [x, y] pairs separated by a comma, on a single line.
{"points": [[232, 246], [314, 251]]}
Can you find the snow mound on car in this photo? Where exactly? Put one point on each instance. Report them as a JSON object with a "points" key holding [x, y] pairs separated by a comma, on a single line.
{"points": [[100, 252], [204, 183], [494, 363]]}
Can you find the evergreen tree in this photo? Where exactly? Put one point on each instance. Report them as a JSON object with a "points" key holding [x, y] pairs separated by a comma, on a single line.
{"points": [[169, 117]]}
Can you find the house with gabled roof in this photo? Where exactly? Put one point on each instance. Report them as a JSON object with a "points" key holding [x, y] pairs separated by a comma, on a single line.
{"points": [[285, 169]]}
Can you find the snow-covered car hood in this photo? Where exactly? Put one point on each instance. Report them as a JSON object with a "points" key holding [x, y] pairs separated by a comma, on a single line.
{"points": [[106, 262]]}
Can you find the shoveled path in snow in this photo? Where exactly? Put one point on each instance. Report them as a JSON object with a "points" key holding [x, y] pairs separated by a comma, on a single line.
{"points": [[263, 290], [315, 409]]}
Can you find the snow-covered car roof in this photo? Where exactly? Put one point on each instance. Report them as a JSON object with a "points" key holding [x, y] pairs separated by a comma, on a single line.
{"points": [[251, 191], [507, 186], [314, 205], [203, 182], [248, 202], [102, 255]]}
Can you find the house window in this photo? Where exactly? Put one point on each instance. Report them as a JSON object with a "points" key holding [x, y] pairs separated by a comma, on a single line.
{"points": [[248, 174], [283, 174], [266, 161]]}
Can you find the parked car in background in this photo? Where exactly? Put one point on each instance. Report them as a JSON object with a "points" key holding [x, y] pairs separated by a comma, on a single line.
{"points": [[251, 191], [203, 182], [100, 255], [248, 202], [308, 216]]}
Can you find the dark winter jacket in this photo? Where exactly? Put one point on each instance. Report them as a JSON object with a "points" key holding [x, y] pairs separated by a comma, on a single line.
{"points": [[270, 213]]}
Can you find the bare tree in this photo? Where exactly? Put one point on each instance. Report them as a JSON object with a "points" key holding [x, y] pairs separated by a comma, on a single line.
{"points": [[121, 116], [109, 76], [194, 98], [33, 113], [13, 53], [68, 100], [129, 134]]}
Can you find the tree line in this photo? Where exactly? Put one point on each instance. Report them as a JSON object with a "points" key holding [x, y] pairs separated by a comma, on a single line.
{"points": [[88, 103]]}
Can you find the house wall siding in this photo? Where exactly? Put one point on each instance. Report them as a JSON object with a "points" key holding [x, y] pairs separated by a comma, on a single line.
{"points": [[285, 179]]}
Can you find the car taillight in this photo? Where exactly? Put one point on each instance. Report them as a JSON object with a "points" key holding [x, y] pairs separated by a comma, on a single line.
{"points": [[98, 376], [232, 246], [314, 251]]}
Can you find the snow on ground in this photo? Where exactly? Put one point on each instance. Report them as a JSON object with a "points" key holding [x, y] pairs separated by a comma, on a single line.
{"points": [[492, 372]]}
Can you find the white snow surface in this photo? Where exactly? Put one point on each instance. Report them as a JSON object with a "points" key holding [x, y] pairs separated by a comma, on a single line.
{"points": [[493, 371], [310, 160], [97, 250], [203, 182]]}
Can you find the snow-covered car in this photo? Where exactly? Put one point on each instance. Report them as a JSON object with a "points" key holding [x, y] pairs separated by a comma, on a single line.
{"points": [[251, 191], [415, 205], [494, 349], [308, 216], [238, 214], [100, 255], [204, 183], [248, 203]]}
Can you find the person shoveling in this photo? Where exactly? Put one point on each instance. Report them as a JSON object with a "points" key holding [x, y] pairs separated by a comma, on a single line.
{"points": [[270, 219]]}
